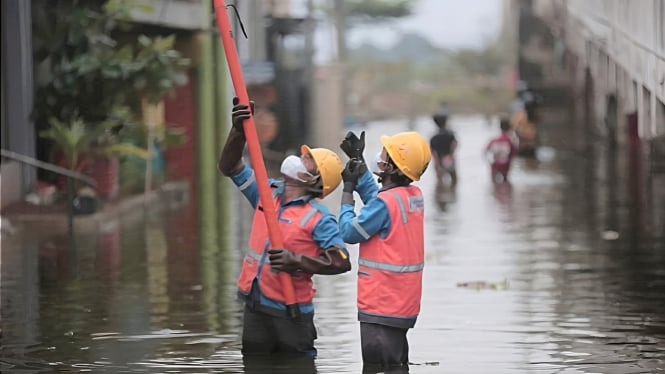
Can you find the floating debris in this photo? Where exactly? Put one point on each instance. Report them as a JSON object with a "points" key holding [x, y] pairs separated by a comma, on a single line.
{"points": [[483, 285], [609, 235], [6, 227]]}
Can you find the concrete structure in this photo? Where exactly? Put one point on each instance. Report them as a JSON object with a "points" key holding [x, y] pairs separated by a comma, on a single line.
{"points": [[605, 59], [328, 119], [617, 49], [18, 130]]}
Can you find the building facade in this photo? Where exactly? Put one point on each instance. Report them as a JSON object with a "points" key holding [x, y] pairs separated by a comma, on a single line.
{"points": [[607, 58], [619, 51]]}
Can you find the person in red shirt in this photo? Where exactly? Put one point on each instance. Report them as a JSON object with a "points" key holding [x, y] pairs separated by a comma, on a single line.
{"points": [[500, 152]]}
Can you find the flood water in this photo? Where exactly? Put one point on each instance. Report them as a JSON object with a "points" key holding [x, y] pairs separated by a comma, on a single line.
{"points": [[562, 271]]}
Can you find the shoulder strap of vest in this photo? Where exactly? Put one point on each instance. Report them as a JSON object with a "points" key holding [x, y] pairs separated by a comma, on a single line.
{"points": [[402, 209], [314, 207]]}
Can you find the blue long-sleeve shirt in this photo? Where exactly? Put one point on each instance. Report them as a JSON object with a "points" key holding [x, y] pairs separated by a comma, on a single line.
{"points": [[373, 217], [325, 233]]}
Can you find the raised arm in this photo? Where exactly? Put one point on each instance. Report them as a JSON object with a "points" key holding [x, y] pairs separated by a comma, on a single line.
{"points": [[230, 161]]}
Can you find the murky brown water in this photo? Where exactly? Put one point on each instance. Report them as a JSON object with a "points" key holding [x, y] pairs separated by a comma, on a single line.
{"points": [[565, 273]]}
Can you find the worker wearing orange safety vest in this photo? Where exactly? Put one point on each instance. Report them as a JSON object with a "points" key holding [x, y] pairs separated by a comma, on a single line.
{"points": [[312, 244], [389, 228]]}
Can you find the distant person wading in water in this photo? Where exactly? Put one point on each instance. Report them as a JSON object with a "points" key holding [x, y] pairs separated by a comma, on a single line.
{"points": [[500, 152], [443, 146]]}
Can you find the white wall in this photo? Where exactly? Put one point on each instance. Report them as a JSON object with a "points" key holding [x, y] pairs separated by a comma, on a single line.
{"points": [[632, 35]]}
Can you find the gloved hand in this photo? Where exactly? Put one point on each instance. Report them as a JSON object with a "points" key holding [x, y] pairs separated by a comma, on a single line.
{"points": [[240, 113], [331, 261], [284, 260], [351, 173], [353, 146]]}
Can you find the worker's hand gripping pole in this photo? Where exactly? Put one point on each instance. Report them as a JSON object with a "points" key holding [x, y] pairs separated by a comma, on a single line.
{"points": [[255, 154]]}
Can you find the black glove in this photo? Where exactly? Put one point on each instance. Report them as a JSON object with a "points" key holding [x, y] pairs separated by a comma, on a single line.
{"points": [[353, 146], [330, 261], [240, 113], [284, 260], [351, 173]]}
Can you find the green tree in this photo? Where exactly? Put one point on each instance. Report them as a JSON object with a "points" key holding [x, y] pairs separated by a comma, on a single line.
{"points": [[485, 61], [86, 75], [81, 70], [349, 13], [378, 10]]}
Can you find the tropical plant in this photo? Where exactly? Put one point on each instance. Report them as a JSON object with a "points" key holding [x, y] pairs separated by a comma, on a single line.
{"points": [[378, 10], [80, 68], [164, 135], [75, 139], [160, 68]]}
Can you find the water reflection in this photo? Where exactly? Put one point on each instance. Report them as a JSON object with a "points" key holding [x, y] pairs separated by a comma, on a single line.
{"points": [[444, 195], [107, 254], [564, 271], [502, 192]]}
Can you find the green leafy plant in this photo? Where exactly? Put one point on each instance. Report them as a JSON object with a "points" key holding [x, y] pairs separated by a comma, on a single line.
{"points": [[84, 72], [378, 10], [162, 134], [75, 139], [160, 67]]}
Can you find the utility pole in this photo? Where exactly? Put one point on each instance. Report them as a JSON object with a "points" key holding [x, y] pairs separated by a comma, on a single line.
{"points": [[340, 29], [17, 79], [339, 19], [308, 78]]}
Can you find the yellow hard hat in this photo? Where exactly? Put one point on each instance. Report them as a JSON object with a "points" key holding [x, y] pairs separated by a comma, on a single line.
{"points": [[329, 165], [409, 151]]}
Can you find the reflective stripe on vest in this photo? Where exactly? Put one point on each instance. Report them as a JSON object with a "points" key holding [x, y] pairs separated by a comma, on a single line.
{"points": [[305, 219], [249, 252], [402, 211], [391, 267]]}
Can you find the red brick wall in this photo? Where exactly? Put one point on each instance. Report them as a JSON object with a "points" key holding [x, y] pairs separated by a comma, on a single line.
{"points": [[180, 111]]}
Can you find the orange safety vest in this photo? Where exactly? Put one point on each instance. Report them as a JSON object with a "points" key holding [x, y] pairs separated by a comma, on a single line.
{"points": [[296, 224], [390, 269]]}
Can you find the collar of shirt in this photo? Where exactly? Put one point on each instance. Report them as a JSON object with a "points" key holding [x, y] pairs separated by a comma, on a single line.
{"points": [[389, 186]]}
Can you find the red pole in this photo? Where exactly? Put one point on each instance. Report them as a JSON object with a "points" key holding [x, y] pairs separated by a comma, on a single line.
{"points": [[254, 148]]}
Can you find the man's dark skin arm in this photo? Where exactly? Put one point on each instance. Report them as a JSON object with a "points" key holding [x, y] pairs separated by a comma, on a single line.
{"points": [[230, 161]]}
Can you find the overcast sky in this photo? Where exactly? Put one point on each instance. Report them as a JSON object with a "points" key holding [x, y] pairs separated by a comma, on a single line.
{"points": [[446, 23]]}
